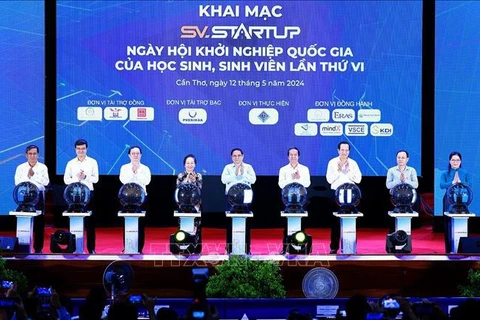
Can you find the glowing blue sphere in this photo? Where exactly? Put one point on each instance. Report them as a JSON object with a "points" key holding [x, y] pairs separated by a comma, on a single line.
{"points": [[294, 197], [77, 196], [26, 195], [459, 196], [240, 196], [188, 196], [131, 196], [347, 197], [403, 196]]}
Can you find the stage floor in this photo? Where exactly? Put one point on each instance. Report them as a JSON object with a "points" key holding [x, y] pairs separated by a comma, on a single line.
{"points": [[264, 242], [371, 271]]}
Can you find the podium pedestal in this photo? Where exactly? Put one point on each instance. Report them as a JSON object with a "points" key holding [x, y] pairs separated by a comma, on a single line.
{"points": [[348, 231], [187, 220], [25, 229], [131, 230], [403, 221], [239, 224], [458, 227], [294, 221], [77, 227]]}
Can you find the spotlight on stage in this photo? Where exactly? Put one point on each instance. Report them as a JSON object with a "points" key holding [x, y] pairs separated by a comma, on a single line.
{"points": [[26, 195], [188, 197], [299, 243], [459, 196], [399, 242], [77, 196], [294, 197], [348, 196], [62, 242], [403, 197], [182, 242], [131, 196], [240, 197]]}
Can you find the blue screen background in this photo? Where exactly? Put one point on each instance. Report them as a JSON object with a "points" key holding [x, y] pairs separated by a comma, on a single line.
{"points": [[92, 36], [457, 91], [22, 85]]}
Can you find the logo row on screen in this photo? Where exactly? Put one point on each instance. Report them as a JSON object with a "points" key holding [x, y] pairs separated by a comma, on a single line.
{"points": [[349, 129], [115, 113]]}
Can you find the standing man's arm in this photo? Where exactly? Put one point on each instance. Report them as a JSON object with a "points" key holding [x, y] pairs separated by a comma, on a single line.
{"points": [[19, 175], [41, 175], [68, 176], [249, 174], [144, 176], [390, 183], [227, 175], [354, 174], [413, 179], [93, 175], [305, 177], [332, 171]]}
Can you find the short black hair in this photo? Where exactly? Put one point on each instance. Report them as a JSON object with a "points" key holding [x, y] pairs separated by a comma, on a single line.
{"points": [[133, 147], [343, 142], [189, 156], [81, 142], [406, 152], [30, 147], [235, 149], [293, 148]]}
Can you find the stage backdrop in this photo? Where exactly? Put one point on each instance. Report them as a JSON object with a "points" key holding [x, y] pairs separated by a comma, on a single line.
{"points": [[202, 77], [457, 92], [22, 87]]}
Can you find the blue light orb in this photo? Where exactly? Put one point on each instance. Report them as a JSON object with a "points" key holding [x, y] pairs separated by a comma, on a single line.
{"points": [[459, 196], [347, 197], [77, 196], [26, 195], [188, 196], [131, 196], [294, 197], [240, 196], [403, 197]]}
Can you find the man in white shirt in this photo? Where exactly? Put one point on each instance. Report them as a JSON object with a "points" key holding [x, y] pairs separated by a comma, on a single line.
{"points": [[238, 171], [233, 173], [340, 170], [138, 173], [84, 169], [294, 171], [36, 173]]}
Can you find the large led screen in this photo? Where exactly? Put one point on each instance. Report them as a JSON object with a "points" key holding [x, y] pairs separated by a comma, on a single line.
{"points": [[203, 77], [22, 87], [457, 92]]}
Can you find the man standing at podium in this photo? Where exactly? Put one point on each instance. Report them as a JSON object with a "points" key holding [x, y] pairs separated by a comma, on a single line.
{"points": [[340, 170], [84, 169], [36, 173], [138, 173], [233, 173]]}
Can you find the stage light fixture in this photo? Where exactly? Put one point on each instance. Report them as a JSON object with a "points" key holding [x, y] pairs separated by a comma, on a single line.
{"points": [[182, 242], [62, 241], [399, 242], [403, 197], [299, 243], [348, 196], [459, 196]]}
